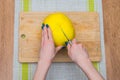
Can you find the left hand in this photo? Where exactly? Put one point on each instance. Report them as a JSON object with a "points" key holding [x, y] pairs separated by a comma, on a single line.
{"points": [[48, 50]]}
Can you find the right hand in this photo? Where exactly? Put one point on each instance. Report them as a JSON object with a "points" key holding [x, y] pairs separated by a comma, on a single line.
{"points": [[80, 56], [77, 52]]}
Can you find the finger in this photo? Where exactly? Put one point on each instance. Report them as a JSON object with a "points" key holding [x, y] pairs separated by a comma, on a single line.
{"points": [[42, 42], [83, 48], [42, 36], [68, 47], [50, 34], [74, 41], [58, 48], [45, 34]]}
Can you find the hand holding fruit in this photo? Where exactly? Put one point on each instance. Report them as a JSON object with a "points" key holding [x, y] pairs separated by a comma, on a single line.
{"points": [[48, 50]]}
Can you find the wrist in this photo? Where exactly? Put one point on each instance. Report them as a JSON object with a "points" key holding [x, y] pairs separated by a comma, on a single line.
{"points": [[42, 69], [44, 61], [89, 69], [84, 62], [86, 65]]}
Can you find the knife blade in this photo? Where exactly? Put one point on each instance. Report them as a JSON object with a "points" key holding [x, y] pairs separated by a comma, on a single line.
{"points": [[69, 41]]}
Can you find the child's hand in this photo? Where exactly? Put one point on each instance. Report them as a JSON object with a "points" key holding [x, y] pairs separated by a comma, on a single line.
{"points": [[77, 52], [48, 50]]}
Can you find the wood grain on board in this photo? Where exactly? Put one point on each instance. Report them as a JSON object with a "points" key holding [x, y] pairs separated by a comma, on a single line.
{"points": [[87, 32]]}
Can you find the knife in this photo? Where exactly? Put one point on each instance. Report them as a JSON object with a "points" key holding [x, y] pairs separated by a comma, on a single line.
{"points": [[69, 41]]}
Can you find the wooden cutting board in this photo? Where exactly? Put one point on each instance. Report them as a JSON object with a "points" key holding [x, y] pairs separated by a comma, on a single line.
{"points": [[87, 32]]}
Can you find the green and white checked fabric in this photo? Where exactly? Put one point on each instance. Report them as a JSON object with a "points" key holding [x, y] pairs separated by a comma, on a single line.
{"points": [[57, 71]]}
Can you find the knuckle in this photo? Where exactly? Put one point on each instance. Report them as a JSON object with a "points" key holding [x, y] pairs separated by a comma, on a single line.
{"points": [[73, 44], [80, 45], [50, 41]]}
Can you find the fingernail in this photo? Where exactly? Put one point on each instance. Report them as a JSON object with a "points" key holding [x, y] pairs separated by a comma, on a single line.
{"points": [[66, 43], [47, 25], [63, 47], [43, 25]]}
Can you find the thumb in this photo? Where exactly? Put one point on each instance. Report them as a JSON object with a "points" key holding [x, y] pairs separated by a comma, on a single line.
{"points": [[74, 41], [68, 47], [58, 48]]}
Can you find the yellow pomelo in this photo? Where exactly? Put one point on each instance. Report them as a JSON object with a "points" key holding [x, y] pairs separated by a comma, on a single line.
{"points": [[59, 23]]}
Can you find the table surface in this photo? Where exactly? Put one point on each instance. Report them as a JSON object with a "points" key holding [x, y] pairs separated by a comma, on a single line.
{"points": [[111, 13]]}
